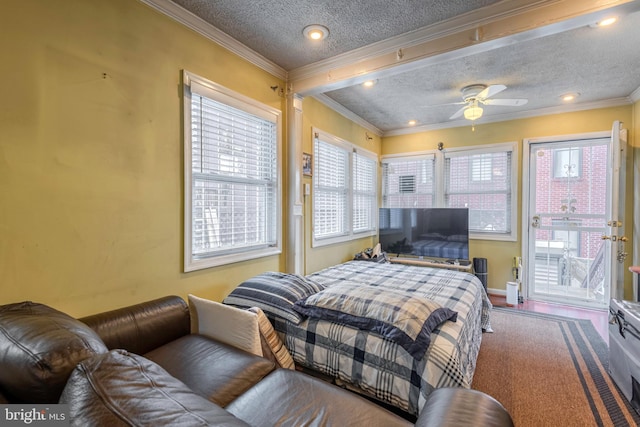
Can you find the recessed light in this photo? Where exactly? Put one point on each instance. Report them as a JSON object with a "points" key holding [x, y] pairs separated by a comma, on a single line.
{"points": [[605, 22], [412, 122], [369, 83], [316, 32], [568, 97]]}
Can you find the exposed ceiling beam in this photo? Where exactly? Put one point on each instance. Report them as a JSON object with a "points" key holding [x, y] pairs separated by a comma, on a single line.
{"points": [[478, 31]]}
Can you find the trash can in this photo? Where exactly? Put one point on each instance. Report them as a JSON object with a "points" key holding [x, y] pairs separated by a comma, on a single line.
{"points": [[480, 270], [512, 293]]}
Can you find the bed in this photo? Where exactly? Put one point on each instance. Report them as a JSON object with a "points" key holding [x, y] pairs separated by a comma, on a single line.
{"points": [[368, 361], [439, 246]]}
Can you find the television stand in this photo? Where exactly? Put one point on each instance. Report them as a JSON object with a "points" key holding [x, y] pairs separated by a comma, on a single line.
{"points": [[464, 265]]}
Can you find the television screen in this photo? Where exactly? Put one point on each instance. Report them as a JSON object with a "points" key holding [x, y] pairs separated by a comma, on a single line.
{"points": [[426, 233]]}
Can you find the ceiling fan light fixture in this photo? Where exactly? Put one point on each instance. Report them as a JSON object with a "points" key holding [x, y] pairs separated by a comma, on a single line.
{"points": [[473, 112], [316, 32]]}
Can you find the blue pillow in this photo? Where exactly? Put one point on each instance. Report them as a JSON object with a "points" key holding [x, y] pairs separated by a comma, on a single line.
{"points": [[275, 293]]}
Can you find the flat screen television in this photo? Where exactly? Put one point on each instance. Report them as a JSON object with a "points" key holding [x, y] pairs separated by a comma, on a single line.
{"points": [[433, 233]]}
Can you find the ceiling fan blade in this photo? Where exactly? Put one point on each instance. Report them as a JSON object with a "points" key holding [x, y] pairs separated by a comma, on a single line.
{"points": [[458, 113], [490, 91], [442, 105], [509, 102]]}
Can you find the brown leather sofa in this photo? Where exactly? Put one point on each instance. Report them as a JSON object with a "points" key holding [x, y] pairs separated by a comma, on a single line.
{"points": [[140, 365]]}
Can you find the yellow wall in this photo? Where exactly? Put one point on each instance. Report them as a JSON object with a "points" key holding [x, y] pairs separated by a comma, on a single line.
{"points": [[317, 115], [91, 213], [500, 254]]}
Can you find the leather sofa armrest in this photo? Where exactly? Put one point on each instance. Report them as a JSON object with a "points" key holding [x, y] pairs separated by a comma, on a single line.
{"points": [[454, 407], [142, 327]]}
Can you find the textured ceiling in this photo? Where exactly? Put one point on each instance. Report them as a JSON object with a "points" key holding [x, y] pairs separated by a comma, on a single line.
{"points": [[274, 28], [599, 63]]}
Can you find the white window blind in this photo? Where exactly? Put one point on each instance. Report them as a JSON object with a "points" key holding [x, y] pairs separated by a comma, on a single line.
{"points": [[345, 190], [234, 188], [364, 192], [481, 181], [482, 167], [330, 190], [408, 182]]}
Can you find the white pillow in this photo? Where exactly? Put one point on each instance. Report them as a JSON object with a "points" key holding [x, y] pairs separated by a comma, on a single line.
{"points": [[230, 325]]}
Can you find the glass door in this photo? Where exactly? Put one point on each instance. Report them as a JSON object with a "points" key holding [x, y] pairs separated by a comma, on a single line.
{"points": [[569, 205]]}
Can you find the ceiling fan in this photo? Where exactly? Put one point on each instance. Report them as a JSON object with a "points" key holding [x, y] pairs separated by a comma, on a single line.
{"points": [[478, 94]]}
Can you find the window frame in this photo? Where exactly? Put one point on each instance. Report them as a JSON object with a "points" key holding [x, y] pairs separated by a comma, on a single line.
{"points": [[440, 180], [348, 234], [192, 83]]}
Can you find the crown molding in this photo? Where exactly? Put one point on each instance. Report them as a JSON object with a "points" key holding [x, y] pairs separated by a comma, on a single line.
{"points": [[348, 114], [609, 103], [635, 95], [200, 26]]}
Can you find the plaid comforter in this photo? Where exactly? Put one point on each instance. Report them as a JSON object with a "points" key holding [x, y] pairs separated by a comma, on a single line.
{"points": [[380, 368]]}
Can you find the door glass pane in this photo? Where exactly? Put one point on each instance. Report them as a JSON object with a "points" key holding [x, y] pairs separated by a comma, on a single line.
{"points": [[569, 200]]}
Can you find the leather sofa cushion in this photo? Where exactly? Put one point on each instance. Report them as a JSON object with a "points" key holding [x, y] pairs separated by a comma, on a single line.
{"points": [[122, 389], [39, 347], [456, 406], [142, 327], [214, 370], [290, 398]]}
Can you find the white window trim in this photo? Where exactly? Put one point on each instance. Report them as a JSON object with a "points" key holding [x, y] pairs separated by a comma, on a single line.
{"points": [[465, 151], [227, 96], [349, 235]]}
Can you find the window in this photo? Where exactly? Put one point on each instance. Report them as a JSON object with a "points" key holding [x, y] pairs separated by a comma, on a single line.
{"points": [[565, 231], [365, 189], [408, 182], [232, 191], [482, 167], [567, 163], [481, 178], [344, 191]]}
